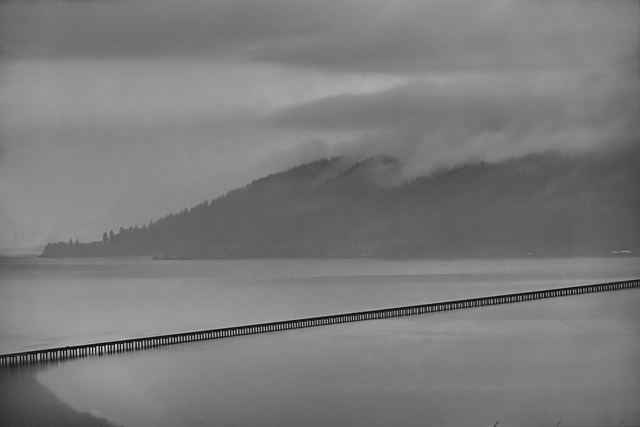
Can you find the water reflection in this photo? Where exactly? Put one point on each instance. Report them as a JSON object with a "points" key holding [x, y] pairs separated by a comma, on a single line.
{"points": [[528, 364]]}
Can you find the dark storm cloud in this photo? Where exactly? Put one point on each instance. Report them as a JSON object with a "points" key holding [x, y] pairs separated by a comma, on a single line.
{"points": [[415, 36], [151, 28], [347, 35]]}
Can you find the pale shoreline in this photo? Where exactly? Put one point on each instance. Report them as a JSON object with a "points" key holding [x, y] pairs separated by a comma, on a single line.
{"points": [[26, 402]]}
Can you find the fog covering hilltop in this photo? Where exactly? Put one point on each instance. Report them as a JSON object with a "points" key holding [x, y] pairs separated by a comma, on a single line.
{"points": [[547, 204]]}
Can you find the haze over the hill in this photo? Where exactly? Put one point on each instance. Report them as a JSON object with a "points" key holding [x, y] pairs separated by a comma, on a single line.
{"points": [[545, 205], [114, 112]]}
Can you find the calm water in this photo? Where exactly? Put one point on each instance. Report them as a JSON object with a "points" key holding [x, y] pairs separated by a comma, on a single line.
{"points": [[46, 303], [575, 359]]}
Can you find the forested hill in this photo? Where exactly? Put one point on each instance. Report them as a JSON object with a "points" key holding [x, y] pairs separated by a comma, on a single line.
{"points": [[548, 204]]}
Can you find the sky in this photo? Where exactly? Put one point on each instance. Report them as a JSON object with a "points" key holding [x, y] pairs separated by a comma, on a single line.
{"points": [[114, 112]]}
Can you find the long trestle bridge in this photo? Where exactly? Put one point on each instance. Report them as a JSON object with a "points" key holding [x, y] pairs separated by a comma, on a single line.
{"points": [[133, 344]]}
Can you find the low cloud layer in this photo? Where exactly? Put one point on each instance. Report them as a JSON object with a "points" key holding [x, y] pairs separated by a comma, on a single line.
{"points": [[112, 112], [491, 117]]}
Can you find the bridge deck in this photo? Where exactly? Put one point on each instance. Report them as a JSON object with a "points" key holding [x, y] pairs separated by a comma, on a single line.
{"points": [[119, 346]]}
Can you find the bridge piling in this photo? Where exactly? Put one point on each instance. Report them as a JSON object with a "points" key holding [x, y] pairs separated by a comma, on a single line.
{"points": [[134, 344]]}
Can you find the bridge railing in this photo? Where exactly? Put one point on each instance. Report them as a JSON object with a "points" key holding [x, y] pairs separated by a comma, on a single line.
{"points": [[133, 344]]}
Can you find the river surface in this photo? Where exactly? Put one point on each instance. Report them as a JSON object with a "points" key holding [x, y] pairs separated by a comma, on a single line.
{"points": [[574, 358]]}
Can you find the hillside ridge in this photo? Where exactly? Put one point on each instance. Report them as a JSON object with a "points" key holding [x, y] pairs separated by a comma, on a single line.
{"points": [[547, 204]]}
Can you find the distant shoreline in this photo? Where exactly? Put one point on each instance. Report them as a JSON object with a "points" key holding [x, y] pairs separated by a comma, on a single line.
{"points": [[611, 254], [527, 256], [165, 258]]}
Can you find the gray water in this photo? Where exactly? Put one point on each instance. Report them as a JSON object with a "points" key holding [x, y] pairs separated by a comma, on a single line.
{"points": [[47, 303], [575, 358]]}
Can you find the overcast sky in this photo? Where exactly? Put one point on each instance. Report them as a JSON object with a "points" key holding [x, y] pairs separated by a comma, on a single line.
{"points": [[113, 112]]}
